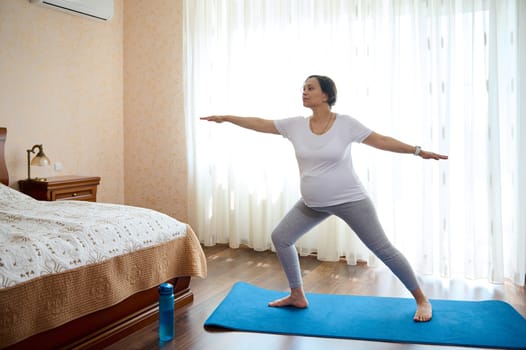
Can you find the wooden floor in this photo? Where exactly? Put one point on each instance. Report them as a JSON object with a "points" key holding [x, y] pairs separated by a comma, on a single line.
{"points": [[226, 266]]}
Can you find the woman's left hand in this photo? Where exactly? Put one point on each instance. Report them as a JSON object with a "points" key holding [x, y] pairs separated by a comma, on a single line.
{"points": [[431, 155]]}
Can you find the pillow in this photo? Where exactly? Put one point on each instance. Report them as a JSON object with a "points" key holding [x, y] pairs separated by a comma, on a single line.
{"points": [[8, 194]]}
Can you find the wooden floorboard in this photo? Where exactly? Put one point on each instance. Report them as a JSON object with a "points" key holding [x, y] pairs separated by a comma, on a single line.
{"points": [[227, 266]]}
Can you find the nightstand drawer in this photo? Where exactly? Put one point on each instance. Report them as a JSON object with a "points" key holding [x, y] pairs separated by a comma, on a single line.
{"points": [[58, 188], [77, 193]]}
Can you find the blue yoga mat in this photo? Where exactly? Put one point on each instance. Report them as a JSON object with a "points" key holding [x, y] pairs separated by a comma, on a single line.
{"points": [[489, 323]]}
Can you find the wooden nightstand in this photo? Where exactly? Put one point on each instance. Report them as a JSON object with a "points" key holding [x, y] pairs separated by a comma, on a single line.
{"points": [[82, 188]]}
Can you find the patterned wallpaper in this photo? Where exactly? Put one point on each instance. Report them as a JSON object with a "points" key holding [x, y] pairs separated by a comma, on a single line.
{"points": [[103, 97], [154, 137], [61, 86]]}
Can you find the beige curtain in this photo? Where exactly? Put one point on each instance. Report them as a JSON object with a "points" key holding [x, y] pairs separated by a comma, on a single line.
{"points": [[440, 74]]}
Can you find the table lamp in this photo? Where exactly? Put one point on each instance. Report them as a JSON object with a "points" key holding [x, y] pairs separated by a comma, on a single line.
{"points": [[39, 160]]}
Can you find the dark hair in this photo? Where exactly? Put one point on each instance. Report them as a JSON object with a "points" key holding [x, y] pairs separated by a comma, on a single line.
{"points": [[327, 86]]}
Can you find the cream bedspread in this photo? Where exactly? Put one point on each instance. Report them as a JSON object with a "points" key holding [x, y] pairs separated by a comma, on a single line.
{"points": [[63, 260]]}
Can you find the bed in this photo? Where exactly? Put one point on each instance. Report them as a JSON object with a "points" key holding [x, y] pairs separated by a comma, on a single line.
{"points": [[81, 275]]}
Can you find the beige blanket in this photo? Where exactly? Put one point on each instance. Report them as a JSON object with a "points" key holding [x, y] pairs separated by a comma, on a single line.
{"points": [[47, 302]]}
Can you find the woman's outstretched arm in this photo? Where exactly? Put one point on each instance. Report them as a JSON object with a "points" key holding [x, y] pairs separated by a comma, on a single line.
{"points": [[252, 123], [388, 143]]}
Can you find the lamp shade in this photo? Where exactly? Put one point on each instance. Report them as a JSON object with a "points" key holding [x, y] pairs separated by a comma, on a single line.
{"points": [[40, 159]]}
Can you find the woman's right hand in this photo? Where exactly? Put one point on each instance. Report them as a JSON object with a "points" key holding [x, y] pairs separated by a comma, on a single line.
{"points": [[215, 118]]}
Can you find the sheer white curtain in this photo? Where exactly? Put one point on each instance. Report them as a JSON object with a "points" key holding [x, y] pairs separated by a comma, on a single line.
{"points": [[442, 74]]}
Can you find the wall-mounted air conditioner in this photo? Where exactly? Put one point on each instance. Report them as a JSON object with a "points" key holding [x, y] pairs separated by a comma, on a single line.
{"points": [[99, 9]]}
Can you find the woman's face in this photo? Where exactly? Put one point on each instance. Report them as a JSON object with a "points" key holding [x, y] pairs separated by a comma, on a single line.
{"points": [[312, 93]]}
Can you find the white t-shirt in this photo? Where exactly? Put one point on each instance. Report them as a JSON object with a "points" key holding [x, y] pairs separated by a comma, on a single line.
{"points": [[327, 176]]}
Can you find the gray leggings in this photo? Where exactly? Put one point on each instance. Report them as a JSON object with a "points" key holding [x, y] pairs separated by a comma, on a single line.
{"points": [[361, 218]]}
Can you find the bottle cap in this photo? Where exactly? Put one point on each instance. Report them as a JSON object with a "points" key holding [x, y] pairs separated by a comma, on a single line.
{"points": [[166, 289]]}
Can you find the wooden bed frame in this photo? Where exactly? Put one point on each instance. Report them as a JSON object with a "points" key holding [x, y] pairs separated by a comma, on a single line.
{"points": [[103, 327]]}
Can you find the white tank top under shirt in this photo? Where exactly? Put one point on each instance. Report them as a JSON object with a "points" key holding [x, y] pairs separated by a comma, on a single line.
{"points": [[327, 176]]}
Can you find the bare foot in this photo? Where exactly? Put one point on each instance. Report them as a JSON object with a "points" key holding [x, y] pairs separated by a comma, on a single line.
{"points": [[424, 312], [299, 302]]}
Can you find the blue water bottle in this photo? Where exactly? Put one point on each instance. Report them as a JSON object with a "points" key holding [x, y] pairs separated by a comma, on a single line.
{"points": [[166, 312]]}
